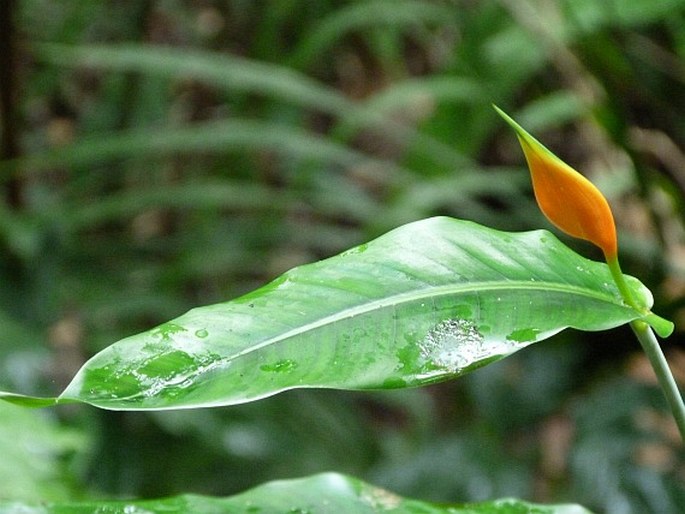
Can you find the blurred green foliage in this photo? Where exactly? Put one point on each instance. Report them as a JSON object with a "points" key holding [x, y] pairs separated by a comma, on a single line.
{"points": [[164, 154]]}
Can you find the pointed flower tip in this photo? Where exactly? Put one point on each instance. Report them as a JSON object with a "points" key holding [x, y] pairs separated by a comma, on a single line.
{"points": [[569, 201]]}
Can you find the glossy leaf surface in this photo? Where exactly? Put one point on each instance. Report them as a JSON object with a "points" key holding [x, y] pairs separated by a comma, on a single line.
{"points": [[326, 493], [426, 302]]}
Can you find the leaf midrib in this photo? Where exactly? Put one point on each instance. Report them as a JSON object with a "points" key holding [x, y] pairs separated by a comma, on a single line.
{"points": [[400, 299], [433, 292]]}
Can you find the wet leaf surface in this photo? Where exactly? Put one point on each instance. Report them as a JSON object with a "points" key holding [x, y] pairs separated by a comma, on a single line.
{"points": [[426, 302]]}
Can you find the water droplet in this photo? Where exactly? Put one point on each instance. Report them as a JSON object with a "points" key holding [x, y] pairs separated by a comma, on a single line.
{"points": [[186, 383], [357, 249], [380, 499], [166, 330], [202, 333], [281, 366], [523, 335], [452, 344]]}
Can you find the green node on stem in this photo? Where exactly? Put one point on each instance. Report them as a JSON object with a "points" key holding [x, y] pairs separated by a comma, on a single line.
{"points": [[661, 326], [643, 331]]}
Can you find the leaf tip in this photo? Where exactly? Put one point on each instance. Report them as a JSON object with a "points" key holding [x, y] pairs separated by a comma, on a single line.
{"points": [[28, 401]]}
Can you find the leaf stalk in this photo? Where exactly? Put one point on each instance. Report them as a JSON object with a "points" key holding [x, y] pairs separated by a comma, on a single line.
{"points": [[656, 357], [620, 280], [650, 345]]}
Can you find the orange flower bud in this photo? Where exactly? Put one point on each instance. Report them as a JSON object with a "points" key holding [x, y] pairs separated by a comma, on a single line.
{"points": [[568, 200]]}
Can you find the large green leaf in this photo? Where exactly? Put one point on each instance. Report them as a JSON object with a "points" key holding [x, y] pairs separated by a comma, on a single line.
{"points": [[328, 493], [426, 302]]}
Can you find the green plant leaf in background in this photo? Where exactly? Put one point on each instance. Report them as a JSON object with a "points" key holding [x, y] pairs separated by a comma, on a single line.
{"points": [[240, 76], [426, 302], [32, 464], [324, 493]]}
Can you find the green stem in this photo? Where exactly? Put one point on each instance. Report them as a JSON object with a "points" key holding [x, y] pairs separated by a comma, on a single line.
{"points": [[617, 274], [651, 347], [668, 385], [662, 326]]}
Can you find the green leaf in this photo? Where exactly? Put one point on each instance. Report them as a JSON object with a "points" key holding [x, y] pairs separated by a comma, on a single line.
{"points": [[33, 448], [220, 69], [426, 302], [241, 75], [366, 15], [216, 136], [324, 493]]}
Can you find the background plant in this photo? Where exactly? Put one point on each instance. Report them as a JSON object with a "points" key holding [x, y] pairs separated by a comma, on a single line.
{"points": [[161, 155]]}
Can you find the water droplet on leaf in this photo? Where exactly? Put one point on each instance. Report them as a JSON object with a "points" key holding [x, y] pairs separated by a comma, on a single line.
{"points": [[166, 330], [523, 335], [282, 366], [452, 344]]}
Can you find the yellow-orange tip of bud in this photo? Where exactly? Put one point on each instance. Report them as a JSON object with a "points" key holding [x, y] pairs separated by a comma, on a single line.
{"points": [[569, 201]]}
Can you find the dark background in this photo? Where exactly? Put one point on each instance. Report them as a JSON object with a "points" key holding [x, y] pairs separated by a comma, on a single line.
{"points": [[159, 155]]}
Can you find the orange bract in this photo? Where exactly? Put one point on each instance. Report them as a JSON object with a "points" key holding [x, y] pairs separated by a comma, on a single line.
{"points": [[570, 201]]}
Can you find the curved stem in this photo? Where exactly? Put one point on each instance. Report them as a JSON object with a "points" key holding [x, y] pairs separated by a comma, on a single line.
{"points": [[668, 385], [651, 347], [662, 326], [617, 274]]}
